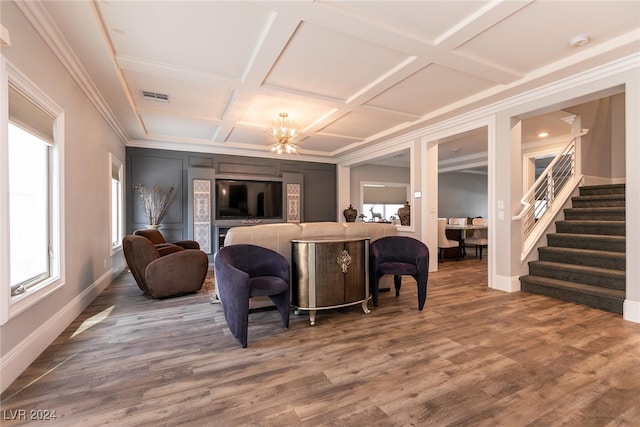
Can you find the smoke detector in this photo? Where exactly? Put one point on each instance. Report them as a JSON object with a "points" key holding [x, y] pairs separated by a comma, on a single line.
{"points": [[578, 41]]}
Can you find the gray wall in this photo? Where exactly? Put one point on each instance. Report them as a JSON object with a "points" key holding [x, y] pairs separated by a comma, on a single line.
{"points": [[149, 166], [462, 195]]}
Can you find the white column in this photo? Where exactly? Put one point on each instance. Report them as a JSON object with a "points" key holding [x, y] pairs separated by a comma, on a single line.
{"points": [[631, 307], [344, 190], [576, 130], [507, 243], [429, 232]]}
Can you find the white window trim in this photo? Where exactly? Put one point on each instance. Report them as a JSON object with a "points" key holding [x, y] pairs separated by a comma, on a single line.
{"points": [[12, 306], [114, 161], [410, 199]]}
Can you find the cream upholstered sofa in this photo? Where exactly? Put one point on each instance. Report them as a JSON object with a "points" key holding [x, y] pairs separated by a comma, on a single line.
{"points": [[278, 237]]}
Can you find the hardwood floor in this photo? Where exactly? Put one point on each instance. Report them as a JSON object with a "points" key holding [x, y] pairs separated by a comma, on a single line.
{"points": [[474, 356]]}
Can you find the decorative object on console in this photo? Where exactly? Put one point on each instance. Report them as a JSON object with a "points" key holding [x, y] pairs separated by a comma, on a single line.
{"points": [[405, 214], [350, 214], [284, 133], [375, 215], [155, 202]]}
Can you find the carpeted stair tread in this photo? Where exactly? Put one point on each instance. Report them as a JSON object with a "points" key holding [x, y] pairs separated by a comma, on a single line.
{"points": [[613, 228], [589, 190], [604, 272], [594, 290], [588, 257], [588, 241], [595, 213], [593, 296], [604, 277], [611, 200], [597, 197], [585, 260]]}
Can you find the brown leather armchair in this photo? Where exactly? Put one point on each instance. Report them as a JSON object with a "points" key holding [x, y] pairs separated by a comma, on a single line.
{"points": [[164, 247], [173, 274]]}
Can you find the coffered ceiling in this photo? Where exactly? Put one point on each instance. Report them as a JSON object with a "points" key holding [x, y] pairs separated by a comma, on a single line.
{"points": [[348, 73]]}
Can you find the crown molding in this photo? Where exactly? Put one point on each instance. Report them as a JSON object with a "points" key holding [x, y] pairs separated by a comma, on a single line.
{"points": [[38, 16], [462, 122], [230, 149]]}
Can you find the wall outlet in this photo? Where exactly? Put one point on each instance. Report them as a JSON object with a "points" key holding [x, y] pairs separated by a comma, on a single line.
{"points": [[105, 263]]}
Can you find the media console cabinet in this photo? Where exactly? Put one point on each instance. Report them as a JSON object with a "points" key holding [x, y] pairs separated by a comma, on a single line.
{"points": [[329, 273]]}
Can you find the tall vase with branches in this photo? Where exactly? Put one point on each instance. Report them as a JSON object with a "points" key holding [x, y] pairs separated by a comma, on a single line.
{"points": [[155, 201]]}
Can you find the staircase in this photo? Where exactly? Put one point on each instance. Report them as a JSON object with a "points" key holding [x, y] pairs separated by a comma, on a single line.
{"points": [[585, 261]]}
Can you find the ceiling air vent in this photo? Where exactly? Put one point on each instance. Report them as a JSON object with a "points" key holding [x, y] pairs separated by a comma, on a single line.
{"points": [[154, 96]]}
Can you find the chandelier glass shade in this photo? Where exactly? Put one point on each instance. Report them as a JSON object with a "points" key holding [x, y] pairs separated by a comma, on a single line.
{"points": [[283, 133]]}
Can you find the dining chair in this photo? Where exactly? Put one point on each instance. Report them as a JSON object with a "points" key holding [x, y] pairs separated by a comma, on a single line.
{"points": [[457, 221], [444, 242], [479, 238]]}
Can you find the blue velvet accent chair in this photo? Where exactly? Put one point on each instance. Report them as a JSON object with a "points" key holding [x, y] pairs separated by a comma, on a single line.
{"points": [[164, 276], [244, 271], [399, 256]]}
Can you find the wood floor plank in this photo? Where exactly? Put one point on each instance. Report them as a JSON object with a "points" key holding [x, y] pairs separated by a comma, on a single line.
{"points": [[473, 356]]}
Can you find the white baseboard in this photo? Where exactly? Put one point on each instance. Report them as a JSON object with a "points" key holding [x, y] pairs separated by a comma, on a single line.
{"points": [[598, 180], [21, 356], [506, 283], [631, 311]]}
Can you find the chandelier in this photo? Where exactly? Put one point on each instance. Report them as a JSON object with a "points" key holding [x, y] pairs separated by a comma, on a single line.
{"points": [[283, 132]]}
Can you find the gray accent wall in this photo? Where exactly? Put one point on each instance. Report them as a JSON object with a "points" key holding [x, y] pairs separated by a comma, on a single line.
{"points": [[178, 168]]}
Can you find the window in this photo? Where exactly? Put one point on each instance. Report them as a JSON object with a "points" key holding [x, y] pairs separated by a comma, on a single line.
{"points": [[29, 238], [31, 216], [381, 200], [117, 199], [387, 211]]}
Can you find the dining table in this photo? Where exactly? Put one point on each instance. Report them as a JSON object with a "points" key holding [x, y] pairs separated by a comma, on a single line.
{"points": [[462, 232]]}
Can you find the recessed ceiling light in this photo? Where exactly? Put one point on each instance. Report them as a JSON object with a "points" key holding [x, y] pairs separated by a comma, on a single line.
{"points": [[578, 41], [543, 134]]}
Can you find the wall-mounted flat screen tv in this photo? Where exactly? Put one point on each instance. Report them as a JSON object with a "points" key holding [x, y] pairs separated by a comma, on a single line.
{"points": [[242, 199]]}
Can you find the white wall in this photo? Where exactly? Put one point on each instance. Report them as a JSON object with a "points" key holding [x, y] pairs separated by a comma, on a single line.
{"points": [[505, 164], [618, 169], [88, 141]]}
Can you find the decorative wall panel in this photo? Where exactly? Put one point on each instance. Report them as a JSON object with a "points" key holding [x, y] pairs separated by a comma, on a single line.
{"points": [[293, 202], [202, 213]]}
